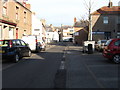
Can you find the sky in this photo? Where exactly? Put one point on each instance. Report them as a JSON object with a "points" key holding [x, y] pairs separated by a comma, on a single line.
{"points": [[59, 12]]}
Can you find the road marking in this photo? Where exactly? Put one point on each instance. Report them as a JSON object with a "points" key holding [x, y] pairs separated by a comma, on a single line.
{"points": [[62, 66], [8, 66], [98, 82]]}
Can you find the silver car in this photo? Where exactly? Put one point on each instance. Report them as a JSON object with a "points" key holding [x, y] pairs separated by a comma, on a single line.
{"points": [[100, 45]]}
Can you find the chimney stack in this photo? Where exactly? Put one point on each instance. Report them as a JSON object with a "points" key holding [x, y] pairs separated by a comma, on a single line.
{"points": [[110, 4], [75, 19]]}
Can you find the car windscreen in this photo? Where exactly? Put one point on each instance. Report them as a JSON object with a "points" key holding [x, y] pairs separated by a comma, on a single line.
{"points": [[108, 42], [4, 43], [103, 41]]}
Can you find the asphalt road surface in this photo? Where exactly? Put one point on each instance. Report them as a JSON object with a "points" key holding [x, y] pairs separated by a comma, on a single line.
{"points": [[62, 65]]}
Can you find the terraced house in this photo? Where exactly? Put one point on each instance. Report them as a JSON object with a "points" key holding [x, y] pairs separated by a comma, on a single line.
{"points": [[15, 19], [106, 22]]}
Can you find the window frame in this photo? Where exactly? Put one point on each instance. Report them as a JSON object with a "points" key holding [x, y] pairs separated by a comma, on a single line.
{"points": [[105, 20]]}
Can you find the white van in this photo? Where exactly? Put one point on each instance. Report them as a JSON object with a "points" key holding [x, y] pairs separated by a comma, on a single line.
{"points": [[35, 42]]}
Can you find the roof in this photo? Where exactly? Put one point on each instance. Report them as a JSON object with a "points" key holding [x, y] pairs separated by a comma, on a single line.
{"points": [[81, 24], [22, 5], [114, 10]]}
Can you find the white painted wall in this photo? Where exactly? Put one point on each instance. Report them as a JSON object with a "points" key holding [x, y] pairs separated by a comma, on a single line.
{"points": [[36, 26]]}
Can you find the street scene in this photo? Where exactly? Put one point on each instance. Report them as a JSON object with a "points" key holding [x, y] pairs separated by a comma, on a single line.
{"points": [[59, 44], [63, 65]]}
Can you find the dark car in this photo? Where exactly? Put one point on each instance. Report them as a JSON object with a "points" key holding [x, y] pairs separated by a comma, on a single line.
{"points": [[100, 45], [112, 50], [14, 49]]}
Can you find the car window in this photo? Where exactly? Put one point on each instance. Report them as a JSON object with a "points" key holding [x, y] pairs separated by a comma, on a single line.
{"points": [[98, 42], [117, 43], [23, 43], [14, 43], [4, 43], [18, 43]]}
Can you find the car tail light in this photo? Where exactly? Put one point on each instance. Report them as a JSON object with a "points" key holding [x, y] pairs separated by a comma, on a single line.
{"points": [[10, 44], [36, 40]]}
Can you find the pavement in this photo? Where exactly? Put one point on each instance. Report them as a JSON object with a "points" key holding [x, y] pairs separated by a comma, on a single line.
{"points": [[89, 70]]}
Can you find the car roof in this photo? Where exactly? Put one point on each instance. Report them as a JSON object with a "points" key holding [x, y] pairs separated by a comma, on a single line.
{"points": [[116, 39]]}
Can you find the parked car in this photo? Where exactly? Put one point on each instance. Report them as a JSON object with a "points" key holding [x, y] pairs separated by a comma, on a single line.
{"points": [[112, 50], [35, 42], [14, 49], [99, 46]]}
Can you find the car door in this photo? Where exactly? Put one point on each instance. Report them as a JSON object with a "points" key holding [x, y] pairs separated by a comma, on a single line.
{"points": [[25, 48], [19, 48], [117, 47]]}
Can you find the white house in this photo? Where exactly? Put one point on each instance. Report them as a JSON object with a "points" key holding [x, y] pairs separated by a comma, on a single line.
{"points": [[36, 25]]}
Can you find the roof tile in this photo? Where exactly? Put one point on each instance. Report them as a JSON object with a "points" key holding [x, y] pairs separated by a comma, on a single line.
{"points": [[107, 10]]}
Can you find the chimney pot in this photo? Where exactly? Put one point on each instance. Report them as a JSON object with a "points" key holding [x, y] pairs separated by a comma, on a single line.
{"points": [[75, 19]]}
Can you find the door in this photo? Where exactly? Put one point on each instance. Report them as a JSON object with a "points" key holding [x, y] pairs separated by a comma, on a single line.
{"points": [[24, 48], [0, 32], [117, 46], [19, 48]]}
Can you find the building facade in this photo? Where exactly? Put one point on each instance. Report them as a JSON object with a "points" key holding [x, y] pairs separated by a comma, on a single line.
{"points": [[106, 22], [67, 32], [36, 25], [15, 19], [80, 31]]}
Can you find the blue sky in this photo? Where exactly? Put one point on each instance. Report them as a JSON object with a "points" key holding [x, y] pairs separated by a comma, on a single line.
{"points": [[59, 12]]}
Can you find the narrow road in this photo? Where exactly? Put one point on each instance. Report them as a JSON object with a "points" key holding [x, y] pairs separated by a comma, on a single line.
{"points": [[38, 71], [62, 66]]}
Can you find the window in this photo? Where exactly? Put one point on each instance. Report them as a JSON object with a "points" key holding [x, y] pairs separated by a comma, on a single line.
{"points": [[4, 7], [23, 43], [105, 20], [71, 30], [118, 19], [118, 34], [25, 15], [107, 35], [4, 43], [117, 43], [4, 10], [14, 43], [36, 29], [17, 12], [24, 33], [18, 43]]}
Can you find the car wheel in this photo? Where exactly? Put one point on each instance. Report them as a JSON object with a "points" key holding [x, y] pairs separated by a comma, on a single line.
{"points": [[116, 59], [16, 58]]}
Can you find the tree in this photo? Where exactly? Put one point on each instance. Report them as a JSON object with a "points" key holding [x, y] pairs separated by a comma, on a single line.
{"points": [[89, 6]]}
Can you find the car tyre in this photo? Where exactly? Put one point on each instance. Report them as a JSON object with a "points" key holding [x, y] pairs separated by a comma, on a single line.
{"points": [[16, 58], [116, 59]]}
